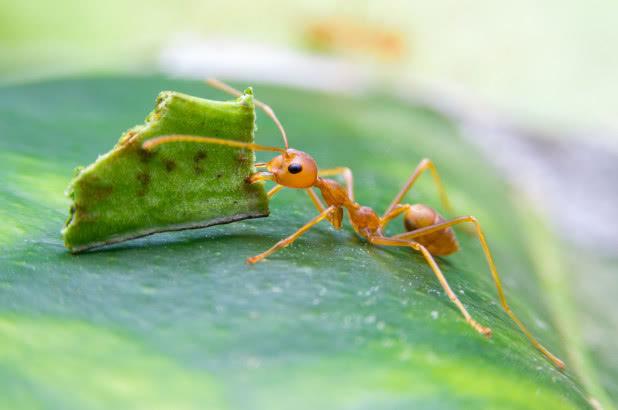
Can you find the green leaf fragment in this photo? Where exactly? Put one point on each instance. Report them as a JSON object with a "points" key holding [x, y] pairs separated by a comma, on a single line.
{"points": [[131, 192]]}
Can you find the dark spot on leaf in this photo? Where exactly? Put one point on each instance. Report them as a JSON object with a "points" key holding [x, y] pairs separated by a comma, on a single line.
{"points": [[219, 176], [144, 180], [170, 165], [144, 154], [249, 188], [103, 192], [197, 162], [81, 213], [200, 155], [95, 189]]}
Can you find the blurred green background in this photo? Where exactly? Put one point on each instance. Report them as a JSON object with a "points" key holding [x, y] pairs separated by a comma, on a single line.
{"points": [[551, 63], [533, 84]]}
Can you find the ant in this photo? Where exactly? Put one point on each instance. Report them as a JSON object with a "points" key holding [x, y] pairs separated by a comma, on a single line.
{"points": [[427, 231]]}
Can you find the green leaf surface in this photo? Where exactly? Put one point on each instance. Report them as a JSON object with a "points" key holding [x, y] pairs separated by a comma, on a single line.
{"points": [[131, 192], [177, 320]]}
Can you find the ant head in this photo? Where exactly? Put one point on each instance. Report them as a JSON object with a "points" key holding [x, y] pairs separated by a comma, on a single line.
{"points": [[293, 169]]}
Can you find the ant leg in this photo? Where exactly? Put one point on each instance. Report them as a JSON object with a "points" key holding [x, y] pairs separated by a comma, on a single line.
{"points": [[425, 164], [166, 139], [494, 274], [274, 190], [335, 218], [264, 107], [290, 239], [315, 199], [347, 176], [394, 213], [381, 240], [260, 176]]}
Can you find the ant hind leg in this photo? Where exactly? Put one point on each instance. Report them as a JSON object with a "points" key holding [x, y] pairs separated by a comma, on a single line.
{"points": [[384, 241], [494, 274]]}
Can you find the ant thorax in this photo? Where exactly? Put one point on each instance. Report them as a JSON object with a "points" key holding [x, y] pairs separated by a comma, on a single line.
{"points": [[334, 194]]}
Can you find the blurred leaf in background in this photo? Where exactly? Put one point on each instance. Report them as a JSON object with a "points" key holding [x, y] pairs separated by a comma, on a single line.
{"points": [[553, 64]]}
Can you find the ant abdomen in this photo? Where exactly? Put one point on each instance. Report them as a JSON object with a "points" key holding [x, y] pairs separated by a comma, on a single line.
{"points": [[442, 242]]}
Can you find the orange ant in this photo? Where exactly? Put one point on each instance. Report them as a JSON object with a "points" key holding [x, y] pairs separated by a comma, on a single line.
{"points": [[427, 232]]}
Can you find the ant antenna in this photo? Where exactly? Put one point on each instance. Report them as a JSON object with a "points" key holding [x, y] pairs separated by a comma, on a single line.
{"points": [[267, 110], [153, 142]]}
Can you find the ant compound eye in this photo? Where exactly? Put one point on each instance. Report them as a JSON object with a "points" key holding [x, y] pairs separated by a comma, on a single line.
{"points": [[295, 168]]}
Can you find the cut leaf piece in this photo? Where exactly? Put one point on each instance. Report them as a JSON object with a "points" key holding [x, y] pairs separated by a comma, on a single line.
{"points": [[131, 192]]}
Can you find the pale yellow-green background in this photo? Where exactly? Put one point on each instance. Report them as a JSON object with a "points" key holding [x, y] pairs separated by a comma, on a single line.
{"points": [[550, 63]]}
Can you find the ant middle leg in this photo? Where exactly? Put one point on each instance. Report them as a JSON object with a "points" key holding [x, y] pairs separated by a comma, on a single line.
{"points": [[290, 239], [393, 213], [425, 164], [494, 274], [384, 241]]}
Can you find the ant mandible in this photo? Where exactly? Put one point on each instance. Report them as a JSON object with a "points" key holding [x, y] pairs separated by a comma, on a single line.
{"points": [[427, 232]]}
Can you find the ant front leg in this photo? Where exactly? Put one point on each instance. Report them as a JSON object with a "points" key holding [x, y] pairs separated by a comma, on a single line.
{"points": [[335, 218], [494, 274], [317, 202], [425, 164], [273, 191], [290, 239], [384, 241]]}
